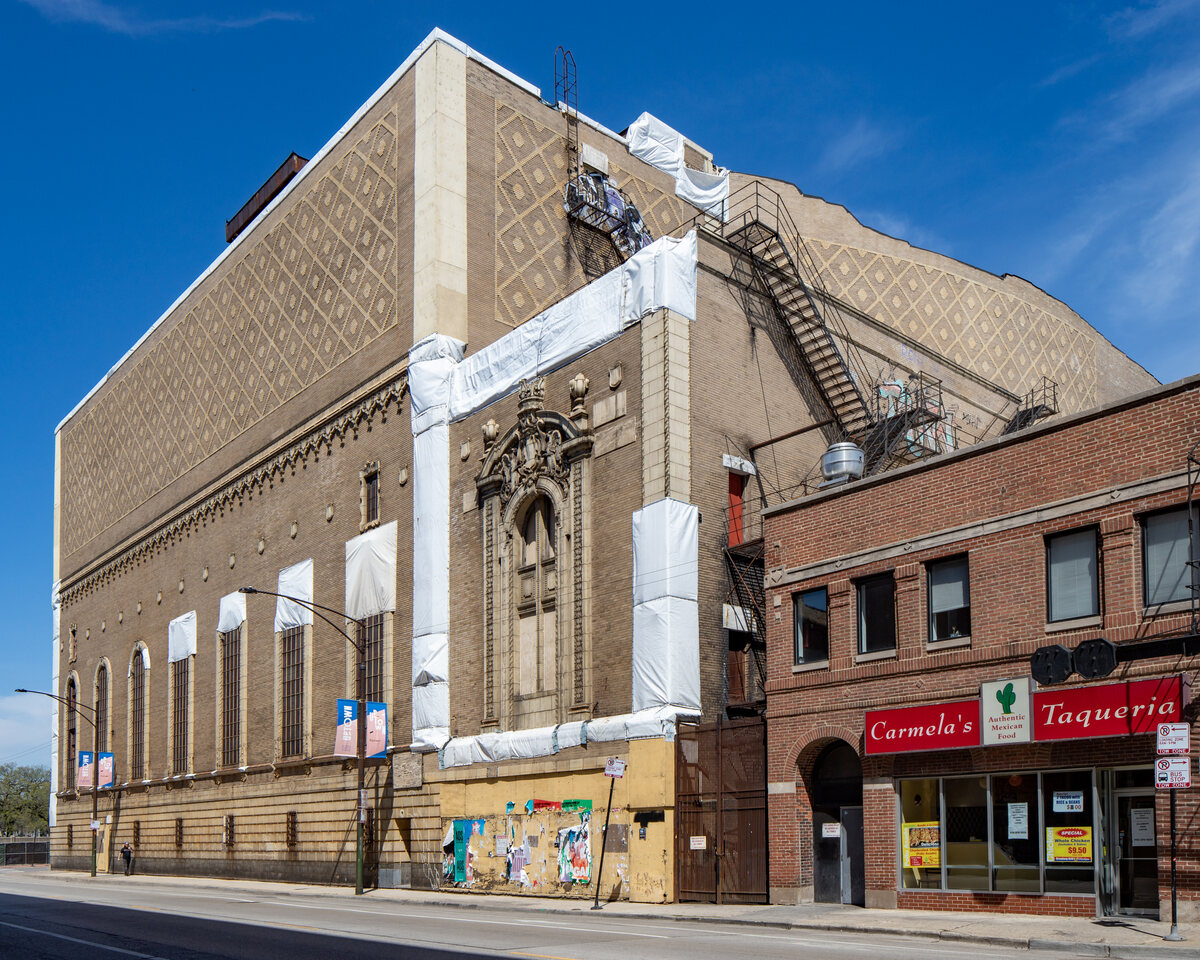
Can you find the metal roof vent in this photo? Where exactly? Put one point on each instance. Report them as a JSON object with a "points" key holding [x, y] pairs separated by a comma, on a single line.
{"points": [[841, 463]]}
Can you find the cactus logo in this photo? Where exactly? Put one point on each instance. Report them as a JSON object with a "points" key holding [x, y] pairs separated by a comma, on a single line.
{"points": [[1007, 714]]}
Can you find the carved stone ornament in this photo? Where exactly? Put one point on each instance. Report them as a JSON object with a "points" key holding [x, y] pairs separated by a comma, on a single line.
{"points": [[541, 447]]}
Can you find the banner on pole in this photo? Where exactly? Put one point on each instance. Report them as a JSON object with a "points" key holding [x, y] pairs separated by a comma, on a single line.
{"points": [[86, 776], [104, 764], [345, 742]]}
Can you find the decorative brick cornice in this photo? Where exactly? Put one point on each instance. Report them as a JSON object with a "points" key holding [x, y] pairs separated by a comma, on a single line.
{"points": [[258, 477]]}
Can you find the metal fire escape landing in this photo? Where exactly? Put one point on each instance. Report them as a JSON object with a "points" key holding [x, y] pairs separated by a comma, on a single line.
{"points": [[1040, 402]]}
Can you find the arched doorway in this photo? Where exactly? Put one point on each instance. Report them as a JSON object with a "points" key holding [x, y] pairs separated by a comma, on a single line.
{"points": [[835, 790]]}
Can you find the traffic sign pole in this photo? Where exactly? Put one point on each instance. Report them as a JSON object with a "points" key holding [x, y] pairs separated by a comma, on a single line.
{"points": [[1174, 739], [1174, 934]]}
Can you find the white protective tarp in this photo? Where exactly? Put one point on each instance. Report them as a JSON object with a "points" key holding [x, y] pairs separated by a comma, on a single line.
{"points": [[294, 581], [545, 741], [232, 612], [662, 275], [662, 146], [144, 652], [666, 630], [181, 637], [444, 387], [430, 366], [371, 572]]}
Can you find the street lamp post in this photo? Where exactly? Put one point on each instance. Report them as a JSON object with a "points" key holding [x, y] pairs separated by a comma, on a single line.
{"points": [[361, 650], [95, 755]]}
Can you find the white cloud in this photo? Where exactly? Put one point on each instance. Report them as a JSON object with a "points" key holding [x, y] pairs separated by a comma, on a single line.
{"points": [[134, 24], [1134, 22], [861, 142], [1152, 97], [1068, 70], [1168, 246], [25, 729], [902, 228]]}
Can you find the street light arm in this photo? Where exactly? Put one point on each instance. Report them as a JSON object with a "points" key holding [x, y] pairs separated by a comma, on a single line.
{"points": [[76, 705], [315, 609]]}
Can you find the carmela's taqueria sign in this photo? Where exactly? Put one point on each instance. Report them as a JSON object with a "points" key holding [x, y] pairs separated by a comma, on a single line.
{"points": [[1069, 713]]}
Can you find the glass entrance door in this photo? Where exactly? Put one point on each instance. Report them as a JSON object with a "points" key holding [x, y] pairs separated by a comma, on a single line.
{"points": [[1137, 854]]}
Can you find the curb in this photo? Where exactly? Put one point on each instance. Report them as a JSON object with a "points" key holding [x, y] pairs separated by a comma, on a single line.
{"points": [[464, 902]]}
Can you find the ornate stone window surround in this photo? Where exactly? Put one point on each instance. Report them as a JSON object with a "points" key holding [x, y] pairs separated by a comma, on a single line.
{"points": [[544, 455]]}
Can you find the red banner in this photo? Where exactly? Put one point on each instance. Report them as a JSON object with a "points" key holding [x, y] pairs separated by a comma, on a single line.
{"points": [[938, 726], [1109, 710]]}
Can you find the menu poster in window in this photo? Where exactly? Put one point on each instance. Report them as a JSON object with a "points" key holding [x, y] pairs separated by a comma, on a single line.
{"points": [[1141, 827], [1018, 821], [1068, 801], [922, 844], [1068, 844]]}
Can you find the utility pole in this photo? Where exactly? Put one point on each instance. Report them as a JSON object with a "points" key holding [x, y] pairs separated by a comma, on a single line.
{"points": [[360, 649], [95, 755]]}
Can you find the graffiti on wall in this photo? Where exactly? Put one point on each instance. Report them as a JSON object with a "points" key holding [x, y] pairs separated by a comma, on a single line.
{"points": [[538, 846]]}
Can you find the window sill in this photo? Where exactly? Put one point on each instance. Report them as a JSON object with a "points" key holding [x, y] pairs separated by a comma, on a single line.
{"points": [[950, 643], [1059, 626], [813, 665], [1160, 609], [877, 655]]}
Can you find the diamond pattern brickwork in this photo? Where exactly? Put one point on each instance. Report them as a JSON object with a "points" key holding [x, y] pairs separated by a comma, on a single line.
{"points": [[999, 335], [534, 263], [290, 306]]}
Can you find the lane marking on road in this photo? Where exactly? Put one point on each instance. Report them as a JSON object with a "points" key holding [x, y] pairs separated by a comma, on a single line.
{"points": [[86, 943], [541, 956], [454, 919]]}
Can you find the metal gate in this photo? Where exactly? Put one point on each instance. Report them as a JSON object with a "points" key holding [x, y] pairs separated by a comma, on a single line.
{"points": [[721, 811]]}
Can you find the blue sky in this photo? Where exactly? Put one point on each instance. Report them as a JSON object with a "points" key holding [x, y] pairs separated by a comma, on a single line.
{"points": [[1058, 142]]}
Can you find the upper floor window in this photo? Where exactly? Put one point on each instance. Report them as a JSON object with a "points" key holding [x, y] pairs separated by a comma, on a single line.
{"points": [[72, 743], [1166, 576], [369, 495], [949, 599], [810, 621], [291, 670], [231, 696], [877, 613], [1072, 575], [537, 636], [179, 715], [101, 742], [137, 715], [370, 635]]}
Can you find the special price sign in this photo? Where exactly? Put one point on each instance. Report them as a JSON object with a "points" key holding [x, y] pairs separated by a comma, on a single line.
{"points": [[1173, 773]]}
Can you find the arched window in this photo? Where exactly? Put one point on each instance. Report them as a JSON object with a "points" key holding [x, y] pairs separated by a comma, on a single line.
{"points": [[101, 743], [72, 744], [137, 714], [536, 584]]}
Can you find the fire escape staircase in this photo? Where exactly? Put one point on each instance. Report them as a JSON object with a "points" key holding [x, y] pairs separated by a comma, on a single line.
{"points": [[759, 226]]}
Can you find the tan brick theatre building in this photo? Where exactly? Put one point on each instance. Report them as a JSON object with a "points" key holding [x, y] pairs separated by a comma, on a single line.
{"points": [[505, 391], [917, 758]]}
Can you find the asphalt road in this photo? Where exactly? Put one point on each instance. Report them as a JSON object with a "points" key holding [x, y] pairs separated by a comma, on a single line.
{"points": [[52, 916]]}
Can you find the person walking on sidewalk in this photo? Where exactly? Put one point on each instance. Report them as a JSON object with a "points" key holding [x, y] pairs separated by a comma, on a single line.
{"points": [[127, 856]]}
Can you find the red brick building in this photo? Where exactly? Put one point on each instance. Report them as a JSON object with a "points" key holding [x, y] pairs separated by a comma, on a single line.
{"points": [[912, 761]]}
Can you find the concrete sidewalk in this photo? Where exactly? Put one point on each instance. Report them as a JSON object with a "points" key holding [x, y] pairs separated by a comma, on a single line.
{"points": [[1132, 938]]}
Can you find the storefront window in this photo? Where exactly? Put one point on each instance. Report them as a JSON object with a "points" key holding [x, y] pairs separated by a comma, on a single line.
{"points": [[966, 834], [1016, 828], [1008, 832], [1070, 847], [920, 835]]}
